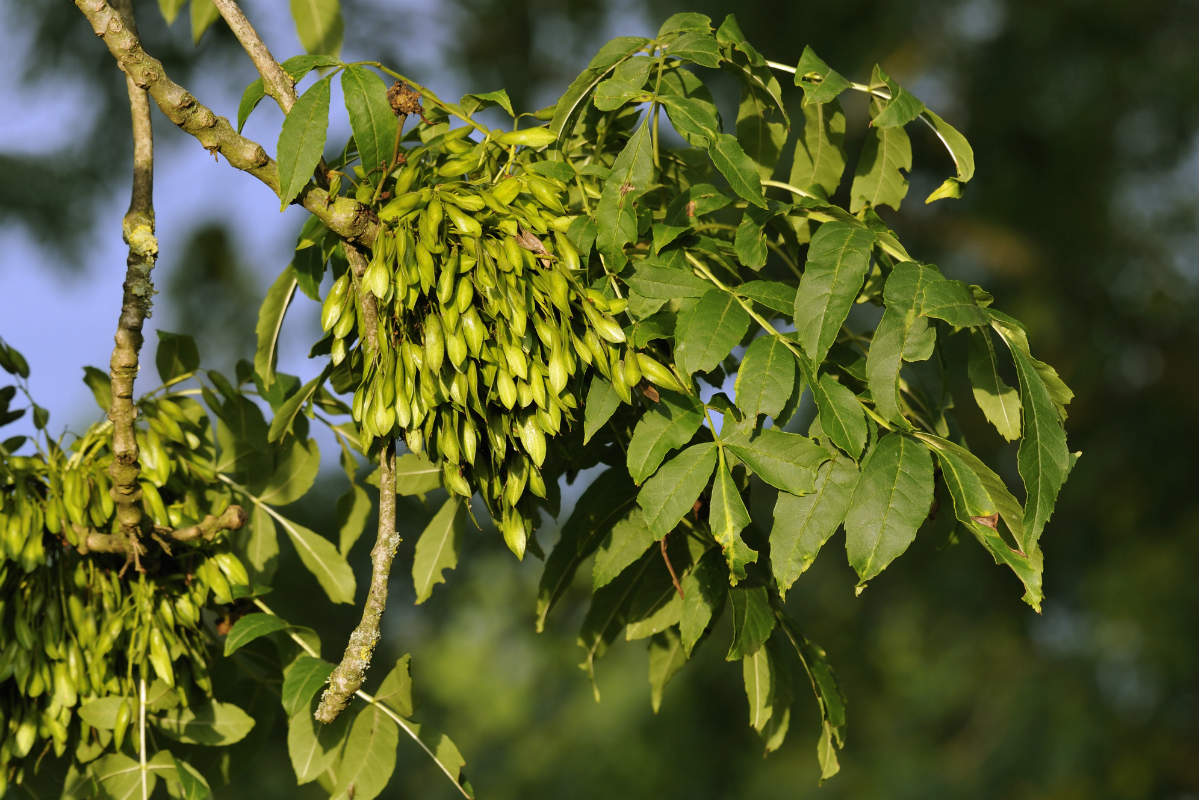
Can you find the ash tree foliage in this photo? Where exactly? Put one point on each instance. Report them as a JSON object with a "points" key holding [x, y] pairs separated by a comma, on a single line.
{"points": [[709, 310]]}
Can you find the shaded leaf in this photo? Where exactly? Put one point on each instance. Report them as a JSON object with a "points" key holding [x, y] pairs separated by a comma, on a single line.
{"points": [[612, 53], [892, 499], [295, 469], [353, 510], [313, 748], [321, 558], [727, 517], [753, 620], [319, 25], [819, 160], [737, 168], [285, 415], [214, 724], [803, 524], [416, 475], [774, 295], [672, 491], [820, 82], [704, 589], [249, 628], [838, 260], [270, 322], [203, 14], [369, 756], [668, 424], [631, 175], [626, 542], [302, 139], [396, 688], [766, 377], [601, 403], [841, 416], [901, 109], [999, 402], [902, 335], [437, 549], [302, 679], [666, 657], [708, 331], [371, 118], [880, 176], [176, 356]]}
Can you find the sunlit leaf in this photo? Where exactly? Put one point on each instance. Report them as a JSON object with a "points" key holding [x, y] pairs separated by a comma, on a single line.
{"points": [[302, 139], [672, 491], [803, 524], [270, 323], [838, 259], [708, 331], [437, 549], [319, 25], [371, 118], [249, 628]]}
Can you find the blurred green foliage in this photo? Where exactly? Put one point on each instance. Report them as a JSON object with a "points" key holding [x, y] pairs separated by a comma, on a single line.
{"points": [[1081, 220]]}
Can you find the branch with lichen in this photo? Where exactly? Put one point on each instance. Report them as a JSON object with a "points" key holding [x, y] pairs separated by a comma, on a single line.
{"points": [[207, 529], [346, 217], [138, 230], [348, 675]]}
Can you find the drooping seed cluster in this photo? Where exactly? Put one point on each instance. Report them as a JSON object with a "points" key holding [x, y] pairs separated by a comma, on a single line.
{"points": [[486, 330]]}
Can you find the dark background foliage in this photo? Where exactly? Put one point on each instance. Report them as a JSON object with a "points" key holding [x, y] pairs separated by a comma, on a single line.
{"points": [[1081, 221]]}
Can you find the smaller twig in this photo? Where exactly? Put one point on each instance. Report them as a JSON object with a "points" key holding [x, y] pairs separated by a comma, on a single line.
{"points": [[674, 578], [92, 541], [275, 81], [348, 675]]}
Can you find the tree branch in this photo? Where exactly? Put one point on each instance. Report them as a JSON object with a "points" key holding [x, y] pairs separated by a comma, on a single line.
{"points": [[347, 676], [92, 541], [370, 308], [344, 216], [138, 230], [275, 81]]}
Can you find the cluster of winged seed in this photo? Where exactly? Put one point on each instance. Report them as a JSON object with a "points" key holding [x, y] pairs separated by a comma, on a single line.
{"points": [[486, 330]]}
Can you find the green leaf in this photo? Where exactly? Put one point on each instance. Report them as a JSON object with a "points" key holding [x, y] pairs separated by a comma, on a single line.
{"points": [[613, 93], [203, 14], [214, 724], [101, 386], [416, 475], [760, 676], [606, 615], [821, 83], [296, 466], [319, 25], [774, 295], [708, 331], [102, 712], [286, 414], [686, 21], [670, 494], [601, 403], [668, 424], [841, 416], [727, 517], [437, 549], [902, 335], [369, 756], [611, 54], [313, 749], [249, 628], [321, 558], [879, 178], [970, 484], [270, 322], [121, 777], [901, 109], [1043, 458], [760, 133], [192, 785], [666, 657], [296, 67], [353, 510], [737, 168], [606, 499], [749, 244], [959, 150], [302, 679], [479, 100], [729, 34], [650, 280], [892, 499], [170, 9], [753, 620], [803, 524], [176, 356], [786, 461], [819, 160], [258, 545], [766, 377], [704, 589], [999, 402], [631, 176], [695, 119], [396, 688], [838, 260], [302, 138], [371, 118], [698, 47], [626, 542]]}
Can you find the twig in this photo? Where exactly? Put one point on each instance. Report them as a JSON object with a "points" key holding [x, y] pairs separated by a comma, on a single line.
{"points": [[138, 230], [347, 676], [370, 309], [344, 216], [275, 81], [92, 541], [674, 578]]}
